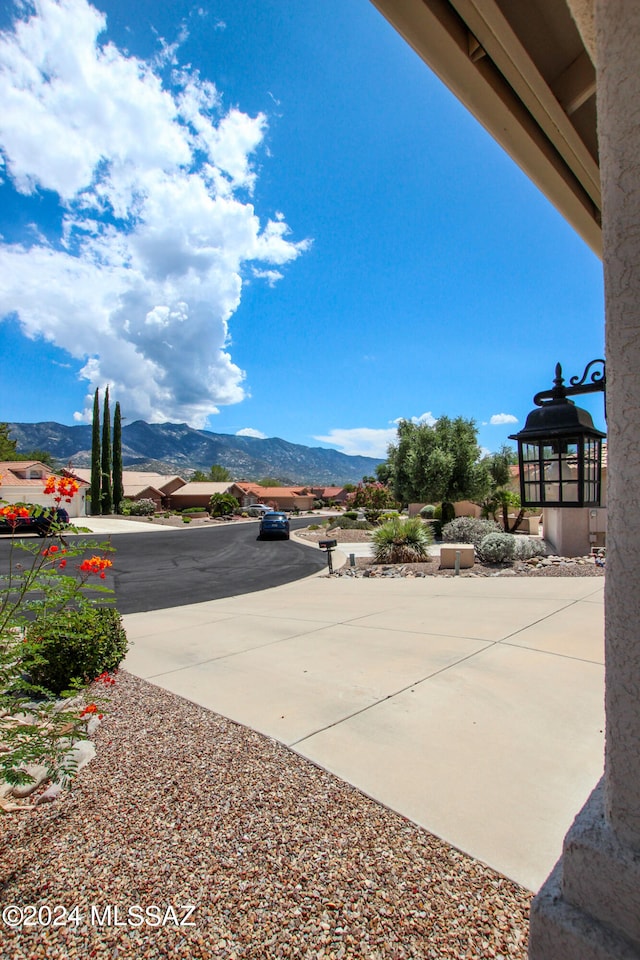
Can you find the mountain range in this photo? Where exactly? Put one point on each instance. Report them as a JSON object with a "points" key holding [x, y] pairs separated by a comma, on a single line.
{"points": [[178, 448]]}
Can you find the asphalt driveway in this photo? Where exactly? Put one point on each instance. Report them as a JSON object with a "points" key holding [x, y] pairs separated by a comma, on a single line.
{"points": [[173, 567]]}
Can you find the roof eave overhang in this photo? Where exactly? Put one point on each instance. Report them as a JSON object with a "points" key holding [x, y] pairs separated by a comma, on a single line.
{"points": [[503, 90]]}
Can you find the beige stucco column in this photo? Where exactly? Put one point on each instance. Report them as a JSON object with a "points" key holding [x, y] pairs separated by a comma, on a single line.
{"points": [[589, 909]]}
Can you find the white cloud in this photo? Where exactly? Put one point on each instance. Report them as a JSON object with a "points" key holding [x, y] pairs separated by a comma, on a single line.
{"points": [[148, 268], [250, 432], [361, 441], [427, 418], [500, 418]]}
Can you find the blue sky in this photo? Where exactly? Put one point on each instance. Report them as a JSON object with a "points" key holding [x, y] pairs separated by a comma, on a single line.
{"points": [[268, 216]]}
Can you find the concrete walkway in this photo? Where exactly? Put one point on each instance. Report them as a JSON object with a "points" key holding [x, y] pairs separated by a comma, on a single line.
{"points": [[472, 706]]}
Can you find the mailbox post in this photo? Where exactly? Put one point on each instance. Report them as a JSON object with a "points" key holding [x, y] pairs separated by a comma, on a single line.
{"points": [[329, 546]]}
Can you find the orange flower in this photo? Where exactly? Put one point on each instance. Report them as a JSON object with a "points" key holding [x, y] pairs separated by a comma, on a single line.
{"points": [[11, 513], [61, 488], [96, 564], [90, 708]]}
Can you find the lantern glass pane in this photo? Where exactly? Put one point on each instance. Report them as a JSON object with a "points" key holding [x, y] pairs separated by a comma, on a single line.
{"points": [[552, 492], [570, 492]]}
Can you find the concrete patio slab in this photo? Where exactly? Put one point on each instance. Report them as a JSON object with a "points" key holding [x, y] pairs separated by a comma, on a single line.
{"points": [[491, 754], [473, 706], [568, 633], [201, 643]]}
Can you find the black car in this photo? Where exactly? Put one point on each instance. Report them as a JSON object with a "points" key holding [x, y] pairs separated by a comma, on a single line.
{"points": [[39, 521], [274, 525]]}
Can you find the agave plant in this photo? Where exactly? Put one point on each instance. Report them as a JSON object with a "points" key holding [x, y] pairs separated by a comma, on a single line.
{"points": [[402, 541]]}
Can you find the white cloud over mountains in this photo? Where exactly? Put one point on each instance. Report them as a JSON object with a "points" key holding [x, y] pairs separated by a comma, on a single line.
{"points": [[361, 441], [146, 269], [368, 441]]}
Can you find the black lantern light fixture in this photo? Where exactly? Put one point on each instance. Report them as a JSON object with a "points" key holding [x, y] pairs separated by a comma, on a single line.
{"points": [[559, 449]]}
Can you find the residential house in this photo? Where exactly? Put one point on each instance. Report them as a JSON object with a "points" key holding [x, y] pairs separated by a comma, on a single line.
{"points": [[335, 494], [23, 481], [198, 493], [138, 484], [280, 498]]}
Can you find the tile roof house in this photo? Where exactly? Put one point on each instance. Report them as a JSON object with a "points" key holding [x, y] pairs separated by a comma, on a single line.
{"points": [[138, 484], [198, 493], [22, 481], [280, 498], [337, 494]]}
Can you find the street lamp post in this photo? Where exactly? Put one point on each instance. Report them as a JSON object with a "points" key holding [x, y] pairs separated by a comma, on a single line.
{"points": [[559, 449]]}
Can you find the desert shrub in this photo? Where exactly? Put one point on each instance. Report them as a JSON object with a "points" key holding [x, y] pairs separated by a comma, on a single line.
{"points": [[314, 526], [401, 541], [468, 530], [125, 507], [74, 645], [527, 547], [497, 548], [142, 508], [372, 514], [318, 504], [345, 524], [428, 512], [389, 515], [350, 514], [186, 519]]}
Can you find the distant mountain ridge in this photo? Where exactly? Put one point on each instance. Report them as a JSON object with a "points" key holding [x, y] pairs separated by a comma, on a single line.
{"points": [[178, 448]]}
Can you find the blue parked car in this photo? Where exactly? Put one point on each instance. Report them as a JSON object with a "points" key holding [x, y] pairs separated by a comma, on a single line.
{"points": [[274, 525]]}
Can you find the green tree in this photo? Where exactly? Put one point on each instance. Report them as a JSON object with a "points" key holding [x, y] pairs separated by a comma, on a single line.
{"points": [[118, 488], [438, 463], [384, 473], [222, 505], [500, 497], [8, 447], [96, 480], [43, 456], [219, 474], [270, 482], [106, 488]]}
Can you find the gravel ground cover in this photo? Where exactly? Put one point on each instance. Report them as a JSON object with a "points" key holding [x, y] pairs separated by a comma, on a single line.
{"points": [[278, 858], [365, 567]]}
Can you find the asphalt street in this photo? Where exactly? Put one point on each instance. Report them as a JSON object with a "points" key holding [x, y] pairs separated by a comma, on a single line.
{"points": [[191, 566]]}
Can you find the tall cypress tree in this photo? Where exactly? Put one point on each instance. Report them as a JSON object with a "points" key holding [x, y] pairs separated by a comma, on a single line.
{"points": [[118, 491], [96, 484], [107, 493]]}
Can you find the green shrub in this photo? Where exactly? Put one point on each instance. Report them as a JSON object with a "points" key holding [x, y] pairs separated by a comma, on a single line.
{"points": [[125, 507], [74, 645], [142, 508], [428, 512], [373, 515], [350, 514], [497, 548], [401, 541], [186, 519], [389, 515], [314, 526], [469, 530]]}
